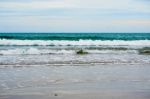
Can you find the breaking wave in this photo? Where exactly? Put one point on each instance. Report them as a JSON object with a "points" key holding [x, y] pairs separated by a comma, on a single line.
{"points": [[6, 42], [36, 51]]}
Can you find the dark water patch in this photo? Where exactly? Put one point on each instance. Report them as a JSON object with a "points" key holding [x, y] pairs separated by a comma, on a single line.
{"points": [[81, 52], [145, 51], [108, 48]]}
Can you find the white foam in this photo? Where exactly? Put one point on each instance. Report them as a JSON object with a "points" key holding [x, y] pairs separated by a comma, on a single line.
{"points": [[108, 51], [76, 43], [19, 51], [34, 51]]}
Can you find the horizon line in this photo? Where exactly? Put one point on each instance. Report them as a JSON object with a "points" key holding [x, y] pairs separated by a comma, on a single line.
{"points": [[74, 32]]}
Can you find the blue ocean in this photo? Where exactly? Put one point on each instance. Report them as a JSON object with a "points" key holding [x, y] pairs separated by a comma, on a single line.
{"points": [[54, 39], [63, 48], [75, 36]]}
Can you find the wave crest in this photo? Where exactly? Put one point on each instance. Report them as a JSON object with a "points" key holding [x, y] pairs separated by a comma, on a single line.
{"points": [[6, 42]]}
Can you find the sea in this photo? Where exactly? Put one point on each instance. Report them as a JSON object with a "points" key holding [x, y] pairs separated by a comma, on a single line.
{"points": [[58, 49], [74, 65]]}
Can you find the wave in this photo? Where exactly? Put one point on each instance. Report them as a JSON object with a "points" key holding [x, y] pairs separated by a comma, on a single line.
{"points": [[33, 51], [36, 51], [6, 42]]}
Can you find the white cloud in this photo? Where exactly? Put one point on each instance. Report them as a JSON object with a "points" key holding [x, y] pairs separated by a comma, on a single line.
{"points": [[101, 4], [34, 5], [63, 24], [129, 5], [74, 15]]}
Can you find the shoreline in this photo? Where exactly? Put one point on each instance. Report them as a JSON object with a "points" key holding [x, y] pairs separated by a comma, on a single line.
{"points": [[76, 82]]}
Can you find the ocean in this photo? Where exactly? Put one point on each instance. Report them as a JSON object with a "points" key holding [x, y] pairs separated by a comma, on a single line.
{"points": [[74, 65], [62, 48]]}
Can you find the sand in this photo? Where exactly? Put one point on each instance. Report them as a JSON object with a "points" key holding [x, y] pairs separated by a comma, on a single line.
{"points": [[75, 82]]}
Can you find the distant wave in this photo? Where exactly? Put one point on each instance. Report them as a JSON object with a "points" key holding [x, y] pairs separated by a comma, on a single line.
{"points": [[6, 42]]}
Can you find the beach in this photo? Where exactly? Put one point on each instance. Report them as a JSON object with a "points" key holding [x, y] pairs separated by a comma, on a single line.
{"points": [[74, 49], [74, 66], [72, 82]]}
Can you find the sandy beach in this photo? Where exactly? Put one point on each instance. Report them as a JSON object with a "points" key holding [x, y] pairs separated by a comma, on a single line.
{"points": [[75, 82]]}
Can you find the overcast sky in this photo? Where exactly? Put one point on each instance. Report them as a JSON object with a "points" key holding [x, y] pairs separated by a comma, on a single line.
{"points": [[74, 15]]}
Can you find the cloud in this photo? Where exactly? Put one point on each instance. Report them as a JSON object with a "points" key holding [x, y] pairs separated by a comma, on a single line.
{"points": [[63, 24], [33, 5], [104, 6], [74, 15], [101, 4], [24, 0]]}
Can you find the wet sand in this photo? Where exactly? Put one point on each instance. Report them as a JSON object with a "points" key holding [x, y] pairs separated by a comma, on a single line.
{"points": [[98, 95], [119, 81]]}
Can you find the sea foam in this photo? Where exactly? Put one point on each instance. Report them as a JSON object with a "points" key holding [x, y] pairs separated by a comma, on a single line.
{"points": [[7, 42], [36, 51]]}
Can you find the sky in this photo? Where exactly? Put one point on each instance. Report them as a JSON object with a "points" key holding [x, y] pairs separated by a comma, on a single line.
{"points": [[75, 16]]}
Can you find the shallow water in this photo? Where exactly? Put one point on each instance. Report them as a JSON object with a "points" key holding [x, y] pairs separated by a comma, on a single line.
{"points": [[61, 48], [100, 57], [45, 80]]}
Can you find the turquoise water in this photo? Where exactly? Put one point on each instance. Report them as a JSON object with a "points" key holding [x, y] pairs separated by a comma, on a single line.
{"points": [[75, 39], [75, 36], [61, 48]]}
